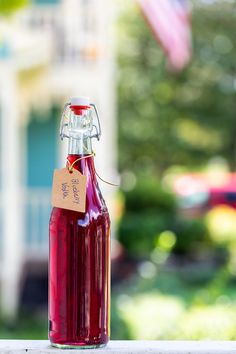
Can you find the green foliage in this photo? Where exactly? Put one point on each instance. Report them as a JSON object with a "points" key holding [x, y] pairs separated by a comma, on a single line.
{"points": [[185, 119], [192, 236], [172, 308], [149, 211], [168, 319], [138, 233], [168, 119], [119, 328], [28, 326], [149, 195], [9, 6]]}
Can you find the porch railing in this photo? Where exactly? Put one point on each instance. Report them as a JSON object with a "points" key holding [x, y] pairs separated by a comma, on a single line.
{"points": [[37, 209], [37, 213], [125, 347]]}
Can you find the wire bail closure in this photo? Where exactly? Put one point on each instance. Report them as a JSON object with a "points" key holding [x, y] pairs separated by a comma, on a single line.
{"points": [[64, 123]]}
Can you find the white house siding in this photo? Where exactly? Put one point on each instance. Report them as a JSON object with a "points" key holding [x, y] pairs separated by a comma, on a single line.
{"points": [[79, 59]]}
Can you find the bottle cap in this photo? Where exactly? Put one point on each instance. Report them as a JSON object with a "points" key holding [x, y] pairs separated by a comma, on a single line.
{"points": [[80, 101]]}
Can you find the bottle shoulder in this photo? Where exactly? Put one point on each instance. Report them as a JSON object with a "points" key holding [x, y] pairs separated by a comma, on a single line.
{"points": [[95, 207]]}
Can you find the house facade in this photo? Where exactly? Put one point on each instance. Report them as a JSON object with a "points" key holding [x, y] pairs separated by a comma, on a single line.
{"points": [[51, 51]]}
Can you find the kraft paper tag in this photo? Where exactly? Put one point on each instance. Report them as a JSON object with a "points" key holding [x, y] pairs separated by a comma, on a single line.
{"points": [[69, 190]]}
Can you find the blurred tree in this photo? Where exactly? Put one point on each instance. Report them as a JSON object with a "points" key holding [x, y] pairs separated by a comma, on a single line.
{"points": [[9, 6], [150, 211], [187, 118]]}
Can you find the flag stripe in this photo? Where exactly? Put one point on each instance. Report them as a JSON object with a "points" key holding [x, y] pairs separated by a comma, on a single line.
{"points": [[170, 23]]}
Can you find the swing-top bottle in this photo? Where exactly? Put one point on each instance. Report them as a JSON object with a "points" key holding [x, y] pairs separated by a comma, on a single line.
{"points": [[79, 244]]}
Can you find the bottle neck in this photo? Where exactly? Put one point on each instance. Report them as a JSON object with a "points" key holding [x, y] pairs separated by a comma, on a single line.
{"points": [[83, 164], [80, 146]]}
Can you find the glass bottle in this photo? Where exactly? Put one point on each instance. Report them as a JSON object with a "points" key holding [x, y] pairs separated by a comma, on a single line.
{"points": [[79, 247]]}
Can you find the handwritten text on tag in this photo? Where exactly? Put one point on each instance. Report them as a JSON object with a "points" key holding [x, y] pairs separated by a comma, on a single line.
{"points": [[69, 190]]}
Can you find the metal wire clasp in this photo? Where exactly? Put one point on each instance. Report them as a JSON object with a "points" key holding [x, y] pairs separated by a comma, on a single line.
{"points": [[97, 127], [64, 123]]}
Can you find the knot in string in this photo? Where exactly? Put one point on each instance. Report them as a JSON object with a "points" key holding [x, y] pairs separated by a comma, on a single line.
{"points": [[71, 165]]}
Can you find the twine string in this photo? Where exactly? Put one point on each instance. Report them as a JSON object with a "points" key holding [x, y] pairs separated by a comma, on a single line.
{"points": [[103, 180], [71, 166]]}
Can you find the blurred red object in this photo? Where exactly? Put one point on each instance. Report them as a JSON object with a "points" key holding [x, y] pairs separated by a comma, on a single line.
{"points": [[198, 192]]}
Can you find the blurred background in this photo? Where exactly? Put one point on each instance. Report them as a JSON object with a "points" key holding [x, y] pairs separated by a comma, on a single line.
{"points": [[168, 130]]}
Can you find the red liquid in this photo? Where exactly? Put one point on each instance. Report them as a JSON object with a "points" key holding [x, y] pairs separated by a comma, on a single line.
{"points": [[79, 269]]}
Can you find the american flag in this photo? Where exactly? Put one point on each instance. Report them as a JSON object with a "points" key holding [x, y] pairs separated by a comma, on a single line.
{"points": [[171, 24]]}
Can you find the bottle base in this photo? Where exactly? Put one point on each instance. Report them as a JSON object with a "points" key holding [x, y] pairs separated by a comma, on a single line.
{"points": [[70, 346]]}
